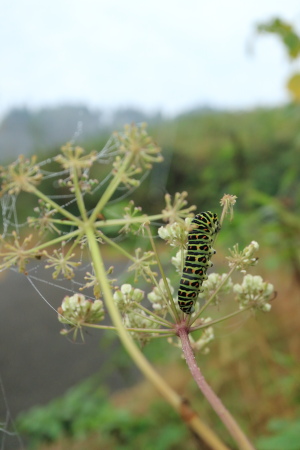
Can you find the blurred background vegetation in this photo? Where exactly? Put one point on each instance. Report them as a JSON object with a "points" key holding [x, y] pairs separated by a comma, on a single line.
{"points": [[253, 363]]}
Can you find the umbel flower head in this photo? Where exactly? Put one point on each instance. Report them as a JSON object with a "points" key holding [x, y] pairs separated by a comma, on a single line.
{"points": [[135, 141], [176, 233], [245, 258], [21, 175], [76, 310], [127, 299], [159, 297], [255, 292]]}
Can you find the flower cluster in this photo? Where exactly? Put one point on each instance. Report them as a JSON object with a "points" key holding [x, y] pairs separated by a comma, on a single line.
{"points": [[176, 211], [178, 260], [73, 158], [245, 258], [17, 253], [255, 292], [142, 263], [131, 211], [61, 263], [159, 297], [44, 221], [176, 233], [127, 300], [92, 281], [228, 201], [76, 310], [127, 297], [21, 175], [136, 142], [214, 285]]}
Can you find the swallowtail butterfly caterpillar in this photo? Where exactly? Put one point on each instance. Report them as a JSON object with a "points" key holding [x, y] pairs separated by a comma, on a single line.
{"points": [[204, 228]]}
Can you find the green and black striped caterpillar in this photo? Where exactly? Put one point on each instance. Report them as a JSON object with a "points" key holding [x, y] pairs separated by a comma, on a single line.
{"points": [[205, 226]]}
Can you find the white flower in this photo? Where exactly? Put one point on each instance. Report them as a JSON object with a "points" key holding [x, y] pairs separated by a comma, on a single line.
{"points": [[127, 296], [254, 292], [178, 260], [176, 233], [77, 309], [159, 297]]}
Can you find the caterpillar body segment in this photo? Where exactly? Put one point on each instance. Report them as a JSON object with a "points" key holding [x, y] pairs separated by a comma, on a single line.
{"points": [[199, 251]]}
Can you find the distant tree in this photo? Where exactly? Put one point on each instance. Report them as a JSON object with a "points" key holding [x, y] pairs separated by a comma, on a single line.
{"points": [[291, 40]]}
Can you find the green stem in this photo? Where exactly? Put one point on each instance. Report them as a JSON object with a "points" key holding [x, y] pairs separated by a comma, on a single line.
{"points": [[143, 364], [117, 247], [111, 188], [155, 282], [172, 304], [55, 241], [121, 222], [162, 321], [213, 295], [74, 244], [221, 319], [67, 223], [136, 330], [55, 205], [78, 195]]}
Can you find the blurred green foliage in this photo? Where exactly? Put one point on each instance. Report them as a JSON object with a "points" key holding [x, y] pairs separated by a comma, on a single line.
{"points": [[284, 434], [291, 41], [85, 409]]}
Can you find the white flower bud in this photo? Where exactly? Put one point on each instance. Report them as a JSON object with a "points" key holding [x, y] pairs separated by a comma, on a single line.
{"points": [[255, 292]]}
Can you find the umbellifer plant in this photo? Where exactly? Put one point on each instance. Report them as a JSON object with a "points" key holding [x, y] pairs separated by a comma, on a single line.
{"points": [[55, 233]]}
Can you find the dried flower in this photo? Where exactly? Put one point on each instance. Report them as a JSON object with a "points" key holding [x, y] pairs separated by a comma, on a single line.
{"points": [[228, 201]]}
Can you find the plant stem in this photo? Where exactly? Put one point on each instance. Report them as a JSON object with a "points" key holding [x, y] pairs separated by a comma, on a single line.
{"points": [[213, 295], [55, 205], [137, 330], [162, 272], [55, 241], [111, 187], [188, 415], [78, 194], [221, 319], [228, 420]]}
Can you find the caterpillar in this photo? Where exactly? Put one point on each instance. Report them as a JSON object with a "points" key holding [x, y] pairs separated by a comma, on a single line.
{"points": [[205, 226]]}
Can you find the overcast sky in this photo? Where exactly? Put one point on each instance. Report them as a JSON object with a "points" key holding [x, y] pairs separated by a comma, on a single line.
{"points": [[166, 55]]}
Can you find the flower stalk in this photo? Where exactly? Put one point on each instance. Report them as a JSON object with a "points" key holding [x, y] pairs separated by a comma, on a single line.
{"points": [[228, 420]]}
